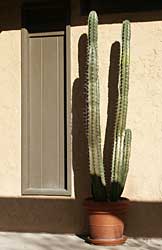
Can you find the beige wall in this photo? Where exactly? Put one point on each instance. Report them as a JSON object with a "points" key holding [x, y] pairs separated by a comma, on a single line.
{"points": [[10, 113], [144, 183]]}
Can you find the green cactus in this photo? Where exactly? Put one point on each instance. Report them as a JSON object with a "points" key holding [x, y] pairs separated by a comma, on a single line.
{"points": [[94, 131], [122, 136]]}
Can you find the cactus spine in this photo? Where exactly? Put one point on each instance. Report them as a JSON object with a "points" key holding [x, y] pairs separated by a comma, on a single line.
{"points": [[122, 136]]}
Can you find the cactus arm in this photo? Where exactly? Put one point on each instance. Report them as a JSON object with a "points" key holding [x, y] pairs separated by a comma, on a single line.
{"points": [[98, 135], [124, 72], [126, 157], [124, 85], [94, 119], [94, 131], [92, 114], [92, 78], [92, 29], [119, 131]]}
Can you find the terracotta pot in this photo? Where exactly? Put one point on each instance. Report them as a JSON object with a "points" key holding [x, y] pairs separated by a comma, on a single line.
{"points": [[106, 221]]}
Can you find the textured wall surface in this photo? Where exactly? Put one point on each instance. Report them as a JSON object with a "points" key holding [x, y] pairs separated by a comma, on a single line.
{"points": [[144, 183], [10, 113], [145, 103]]}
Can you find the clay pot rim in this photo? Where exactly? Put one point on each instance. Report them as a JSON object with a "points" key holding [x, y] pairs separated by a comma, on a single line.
{"points": [[92, 205], [121, 200]]}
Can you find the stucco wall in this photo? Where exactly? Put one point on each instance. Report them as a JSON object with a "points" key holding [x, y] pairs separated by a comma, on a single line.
{"points": [[144, 183], [10, 106]]}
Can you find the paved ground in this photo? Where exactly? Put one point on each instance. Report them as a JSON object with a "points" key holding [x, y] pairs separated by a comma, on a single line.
{"points": [[42, 241]]}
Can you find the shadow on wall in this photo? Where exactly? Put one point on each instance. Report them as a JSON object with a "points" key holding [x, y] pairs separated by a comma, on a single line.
{"points": [[80, 143], [10, 15], [108, 18], [148, 16], [64, 216], [112, 104], [10, 18]]}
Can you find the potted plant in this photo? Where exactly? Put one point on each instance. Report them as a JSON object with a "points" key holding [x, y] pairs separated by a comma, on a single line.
{"points": [[106, 208]]}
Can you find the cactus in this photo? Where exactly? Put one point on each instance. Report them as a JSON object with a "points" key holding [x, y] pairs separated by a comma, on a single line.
{"points": [[94, 131], [122, 136]]}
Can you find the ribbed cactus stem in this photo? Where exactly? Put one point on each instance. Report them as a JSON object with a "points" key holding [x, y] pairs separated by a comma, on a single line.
{"points": [[126, 156], [92, 28], [122, 137], [94, 131], [124, 72], [92, 78]]}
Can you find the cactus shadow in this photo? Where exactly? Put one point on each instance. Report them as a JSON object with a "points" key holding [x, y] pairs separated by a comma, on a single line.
{"points": [[111, 110], [79, 123], [79, 138]]}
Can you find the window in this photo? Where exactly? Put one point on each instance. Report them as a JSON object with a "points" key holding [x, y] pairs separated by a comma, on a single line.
{"points": [[45, 45]]}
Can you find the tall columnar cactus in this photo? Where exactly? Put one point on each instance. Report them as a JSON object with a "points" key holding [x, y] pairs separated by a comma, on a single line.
{"points": [[94, 131], [122, 136]]}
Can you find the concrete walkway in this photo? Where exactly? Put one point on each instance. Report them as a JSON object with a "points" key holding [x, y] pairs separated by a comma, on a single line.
{"points": [[42, 241]]}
